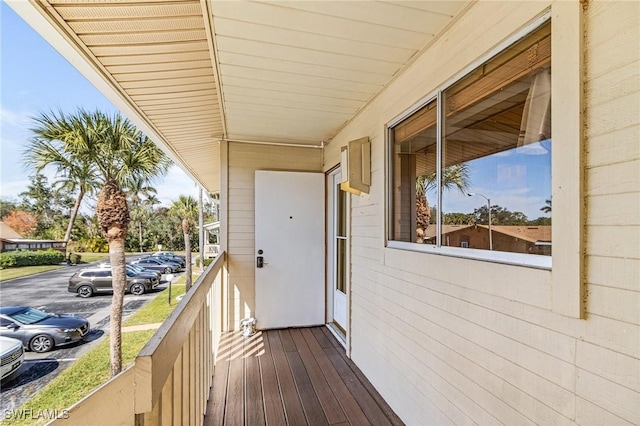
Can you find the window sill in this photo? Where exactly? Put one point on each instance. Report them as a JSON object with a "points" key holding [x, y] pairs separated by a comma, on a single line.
{"points": [[503, 257]]}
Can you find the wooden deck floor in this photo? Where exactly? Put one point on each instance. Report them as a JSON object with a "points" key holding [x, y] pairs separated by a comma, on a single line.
{"points": [[291, 377]]}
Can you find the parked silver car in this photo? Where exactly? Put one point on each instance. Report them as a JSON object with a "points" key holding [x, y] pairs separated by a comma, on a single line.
{"points": [[11, 356], [40, 331], [157, 265], [86, 282]]}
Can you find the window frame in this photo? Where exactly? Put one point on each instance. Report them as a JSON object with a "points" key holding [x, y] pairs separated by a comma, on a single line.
{"points": [[518, 259]]}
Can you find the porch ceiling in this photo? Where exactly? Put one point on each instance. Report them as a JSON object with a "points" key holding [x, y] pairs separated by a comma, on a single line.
{"points": [[194, 72]]}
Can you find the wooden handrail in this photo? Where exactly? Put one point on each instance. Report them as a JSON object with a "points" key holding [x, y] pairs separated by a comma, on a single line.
{"points": [[155, 361]]}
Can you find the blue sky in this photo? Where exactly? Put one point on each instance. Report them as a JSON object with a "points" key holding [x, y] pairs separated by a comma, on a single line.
{"points": [[514, 179], [34, 78]]}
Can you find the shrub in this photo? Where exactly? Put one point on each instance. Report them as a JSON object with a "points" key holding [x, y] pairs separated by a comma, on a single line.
{"points": [[7, 261], [207, 262], [74, 258], [31, 258]]}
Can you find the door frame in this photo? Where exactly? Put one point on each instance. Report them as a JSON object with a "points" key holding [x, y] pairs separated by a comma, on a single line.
{"points": [[343, 338]]}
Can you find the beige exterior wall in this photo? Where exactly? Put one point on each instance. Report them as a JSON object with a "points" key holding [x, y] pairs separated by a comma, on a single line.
{"points": [[243, 160], [448, 340]]}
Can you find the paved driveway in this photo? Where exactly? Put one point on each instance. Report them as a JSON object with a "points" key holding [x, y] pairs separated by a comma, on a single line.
{"points": [[48, 291]]}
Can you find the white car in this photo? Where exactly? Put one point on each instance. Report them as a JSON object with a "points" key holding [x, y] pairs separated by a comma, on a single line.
{"points": [[11, 355]]}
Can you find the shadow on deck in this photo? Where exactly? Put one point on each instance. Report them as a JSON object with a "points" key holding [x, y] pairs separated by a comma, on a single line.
{"points": [[291, 377]]}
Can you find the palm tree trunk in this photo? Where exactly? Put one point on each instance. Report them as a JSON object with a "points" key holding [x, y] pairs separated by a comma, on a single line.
{"points": [[118, 274], [74, 214], [140, 235]]}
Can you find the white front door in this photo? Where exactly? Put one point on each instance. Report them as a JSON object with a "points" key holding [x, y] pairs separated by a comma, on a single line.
{"points": [[289, 239], [336, 253]]}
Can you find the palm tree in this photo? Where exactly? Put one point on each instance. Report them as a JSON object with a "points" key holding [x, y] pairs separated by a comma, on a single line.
{"points": [[455, 176], [46, 148], [117, 155], [186, 209], [139, 193], [547, 207]]}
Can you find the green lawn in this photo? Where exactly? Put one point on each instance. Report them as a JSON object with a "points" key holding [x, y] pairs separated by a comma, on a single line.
{"points": [[81, 378], [92, 369], [92, 257], [24, 271], [11, 273], [158, 309]]}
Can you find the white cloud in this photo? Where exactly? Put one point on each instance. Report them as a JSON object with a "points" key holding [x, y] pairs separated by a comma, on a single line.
{"points": [[14, 119]]}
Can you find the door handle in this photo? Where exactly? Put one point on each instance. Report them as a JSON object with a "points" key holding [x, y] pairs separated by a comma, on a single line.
{"points": [[259, 262]]}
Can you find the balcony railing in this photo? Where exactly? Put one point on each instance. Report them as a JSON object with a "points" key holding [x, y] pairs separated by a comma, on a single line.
{"points": [[171, 377]]}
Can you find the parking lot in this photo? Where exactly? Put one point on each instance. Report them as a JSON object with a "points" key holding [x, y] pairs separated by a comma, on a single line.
{"points": [[48, 292]]}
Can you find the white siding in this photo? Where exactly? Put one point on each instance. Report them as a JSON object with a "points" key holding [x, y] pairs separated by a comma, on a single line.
{"points": [[451, 341], [244, 160]]}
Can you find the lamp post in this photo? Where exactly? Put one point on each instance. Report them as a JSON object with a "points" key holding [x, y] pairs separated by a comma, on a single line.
{"points": [[471, 194]]}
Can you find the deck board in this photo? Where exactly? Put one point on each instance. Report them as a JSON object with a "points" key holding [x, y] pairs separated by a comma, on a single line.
{"points": [[291, 377]]}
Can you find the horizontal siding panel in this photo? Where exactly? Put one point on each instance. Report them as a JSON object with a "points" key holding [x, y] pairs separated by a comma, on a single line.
{"points": [[239, 230], [614, 241], [368, 231], [606, 117], [611, 45], [614, 209], [484, 386], [621, 81], [614, 303], [242, 251], [372, 254], [413, 405], [619, 368], [243, 244], [615, 147], [452, 346], [615, 179], [614, 272], [473, 329], [424, 388], [590, 414], [365, 242], [526, 285], [610, 396]]}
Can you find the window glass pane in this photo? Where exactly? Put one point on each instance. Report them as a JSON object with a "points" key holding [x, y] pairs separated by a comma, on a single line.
{"points": [[341, 277], [414, 169], [496, 175], [341, 219]]}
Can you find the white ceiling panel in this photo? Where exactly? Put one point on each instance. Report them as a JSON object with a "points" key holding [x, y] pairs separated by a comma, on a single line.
{"points": [[195, 72], [316, 42], [311, 70]]}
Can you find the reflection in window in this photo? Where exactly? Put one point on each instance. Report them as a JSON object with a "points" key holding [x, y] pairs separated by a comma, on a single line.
{"points": [[493, 188]]}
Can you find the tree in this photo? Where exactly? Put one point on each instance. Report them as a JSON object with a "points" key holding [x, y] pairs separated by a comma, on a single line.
{"points": [[55, 137], [500, 216], [49, 207], [547, 207], [186, 209], [6, 206], [24, 223], [454, 176], [38, 198], [115, 154], [141, 197]]}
